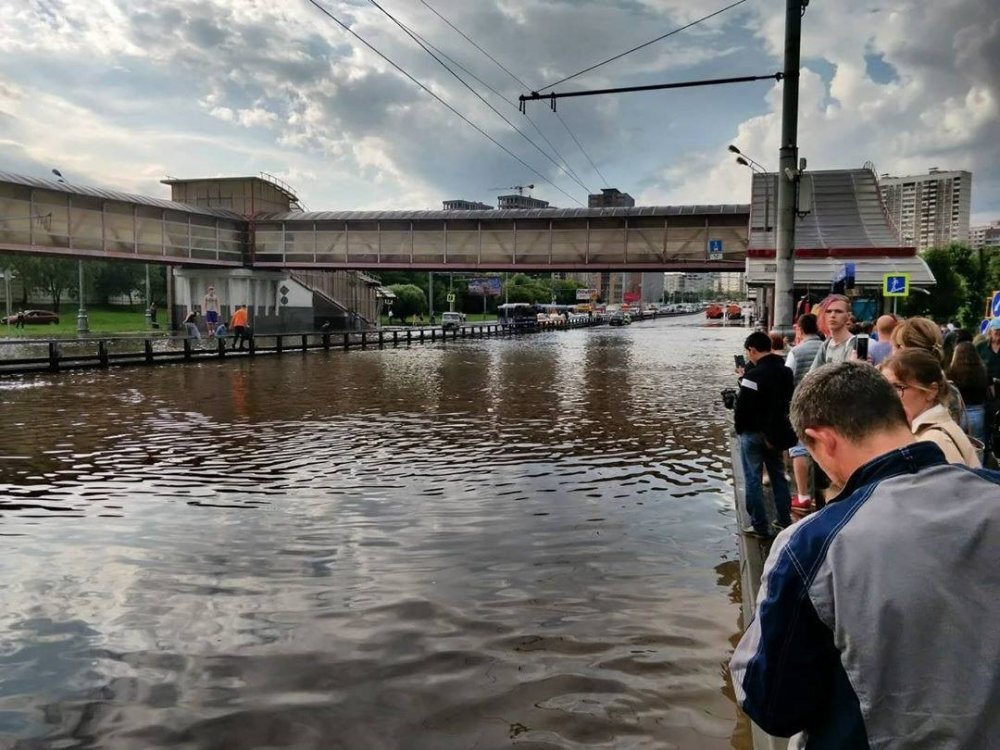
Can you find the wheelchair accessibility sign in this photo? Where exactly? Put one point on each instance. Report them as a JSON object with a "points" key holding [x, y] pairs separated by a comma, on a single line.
{"points": [[896, 285]]}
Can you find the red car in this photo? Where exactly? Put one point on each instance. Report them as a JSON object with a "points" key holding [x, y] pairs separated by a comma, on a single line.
{"points": [[34, 317]]}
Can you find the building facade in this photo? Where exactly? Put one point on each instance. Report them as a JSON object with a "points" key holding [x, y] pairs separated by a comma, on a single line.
{"points": [[460, 205], [515, 200], [610, 198], [929, 210], [985, 235]]}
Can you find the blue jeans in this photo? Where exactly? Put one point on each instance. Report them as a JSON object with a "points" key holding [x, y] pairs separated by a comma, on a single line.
{"points": [[756, 455], [975, 422]]}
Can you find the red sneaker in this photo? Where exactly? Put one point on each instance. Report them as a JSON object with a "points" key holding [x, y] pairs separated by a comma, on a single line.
{"points": [[803, 503]]}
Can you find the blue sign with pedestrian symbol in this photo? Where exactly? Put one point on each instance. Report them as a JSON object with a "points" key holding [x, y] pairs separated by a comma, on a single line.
{"points": [[896, 285], [995, 305], [715, 249]]}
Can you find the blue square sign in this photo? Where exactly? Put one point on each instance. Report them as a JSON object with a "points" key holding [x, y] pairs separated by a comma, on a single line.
{"points": [[896, 285], [715, 249]]}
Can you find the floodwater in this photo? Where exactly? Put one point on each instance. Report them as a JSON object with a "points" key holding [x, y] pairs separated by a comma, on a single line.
{"points": [[521, 542]]}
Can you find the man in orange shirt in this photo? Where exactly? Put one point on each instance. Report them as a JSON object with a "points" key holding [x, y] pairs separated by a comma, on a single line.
{"points": [[239, 325]]}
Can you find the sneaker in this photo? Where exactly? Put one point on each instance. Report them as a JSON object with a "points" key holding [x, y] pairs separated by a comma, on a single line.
{"points": [[803, 502], [751, 531]]}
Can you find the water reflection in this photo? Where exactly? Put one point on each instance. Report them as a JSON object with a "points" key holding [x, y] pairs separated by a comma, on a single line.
{"points": [[471, 544]]}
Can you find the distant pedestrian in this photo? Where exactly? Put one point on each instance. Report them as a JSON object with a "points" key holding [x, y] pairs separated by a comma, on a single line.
{"points": [[211, 307], [20, 319], [220, 331], [239, 325], [191, 330]]}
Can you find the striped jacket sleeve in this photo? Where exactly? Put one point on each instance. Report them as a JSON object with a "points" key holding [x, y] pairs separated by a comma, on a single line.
{"points": [[784, 665]]}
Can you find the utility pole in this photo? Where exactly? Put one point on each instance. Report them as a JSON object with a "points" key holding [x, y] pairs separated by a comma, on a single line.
{"points": [[788, 157], [430, 294]]}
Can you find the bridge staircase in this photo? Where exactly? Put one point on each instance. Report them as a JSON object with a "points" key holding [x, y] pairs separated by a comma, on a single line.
{"points": [[345, 299]]}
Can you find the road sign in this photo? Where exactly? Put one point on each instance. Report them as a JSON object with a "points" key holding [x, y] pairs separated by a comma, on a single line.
{"points": [[995, 305], [984, 325], [715, 249], [584, 295], [896, 285], [450, 297]]}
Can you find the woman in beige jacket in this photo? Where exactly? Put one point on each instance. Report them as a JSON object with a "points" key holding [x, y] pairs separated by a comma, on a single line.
{"points": [[918, 378]]}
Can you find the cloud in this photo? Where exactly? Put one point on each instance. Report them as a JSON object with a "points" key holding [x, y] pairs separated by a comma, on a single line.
{"points": [[237, 86], [941, 108]]}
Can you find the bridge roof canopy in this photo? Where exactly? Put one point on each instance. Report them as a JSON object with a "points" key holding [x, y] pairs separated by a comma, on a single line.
{"points": [[114, 195], [845, 212], [507, 214]]}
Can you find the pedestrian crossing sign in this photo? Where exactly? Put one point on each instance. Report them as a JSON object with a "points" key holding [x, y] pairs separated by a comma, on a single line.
{"points": [[896, 285]]}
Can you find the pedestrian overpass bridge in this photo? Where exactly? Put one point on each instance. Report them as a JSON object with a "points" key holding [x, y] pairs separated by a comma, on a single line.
{"points": [[41, 216]]}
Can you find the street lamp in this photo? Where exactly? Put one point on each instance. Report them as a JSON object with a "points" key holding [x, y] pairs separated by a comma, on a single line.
{"points": [[82, 321], [755, 167]]}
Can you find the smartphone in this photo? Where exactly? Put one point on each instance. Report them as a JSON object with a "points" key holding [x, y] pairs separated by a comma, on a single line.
{"points": [[740, 360], [861, 344]]}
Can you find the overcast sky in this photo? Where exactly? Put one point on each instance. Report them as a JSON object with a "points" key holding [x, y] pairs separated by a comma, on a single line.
{"points": [[122, 93]]}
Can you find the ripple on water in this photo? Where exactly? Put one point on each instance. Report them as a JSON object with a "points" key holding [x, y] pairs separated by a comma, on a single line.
{"points": [[478, 544]]}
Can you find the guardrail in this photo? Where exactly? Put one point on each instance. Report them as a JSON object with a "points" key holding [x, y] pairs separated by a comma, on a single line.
{"points": [[47, 355]]}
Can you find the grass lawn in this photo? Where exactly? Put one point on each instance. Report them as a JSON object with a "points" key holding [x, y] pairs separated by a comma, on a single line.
{"points": [[103, 319]]}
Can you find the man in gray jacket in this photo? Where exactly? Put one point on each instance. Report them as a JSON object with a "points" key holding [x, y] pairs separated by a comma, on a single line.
{"points": [[878, 618]]}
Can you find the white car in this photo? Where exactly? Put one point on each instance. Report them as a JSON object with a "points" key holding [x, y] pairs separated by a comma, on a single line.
{"points": [[451, 320]]}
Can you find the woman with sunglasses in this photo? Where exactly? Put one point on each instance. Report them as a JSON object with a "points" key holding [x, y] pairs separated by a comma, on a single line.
{"points": [[917, 376]]}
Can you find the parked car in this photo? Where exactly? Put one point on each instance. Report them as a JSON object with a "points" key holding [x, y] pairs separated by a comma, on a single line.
{"points": [[34, 317], [450, 320]]}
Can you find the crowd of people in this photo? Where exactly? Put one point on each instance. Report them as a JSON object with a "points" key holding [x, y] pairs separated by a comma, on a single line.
{"points": [[947, 378], [216, 329], [877, 618]]}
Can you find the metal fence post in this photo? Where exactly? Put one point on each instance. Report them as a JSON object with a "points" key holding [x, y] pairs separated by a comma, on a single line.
{"points": [[102, 352], [147, 347], [278, 344], [53, 356], [187, 348]]}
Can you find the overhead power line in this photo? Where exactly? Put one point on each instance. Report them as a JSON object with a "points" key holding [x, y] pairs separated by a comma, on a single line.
{"points": [[465, 119], [465, 36], [523, 85], [427, 46], [641, 46], [604, 180]]}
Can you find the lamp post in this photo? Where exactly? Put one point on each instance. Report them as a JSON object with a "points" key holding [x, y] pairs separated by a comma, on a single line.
{"points": [[149, 312], [82, 321]]}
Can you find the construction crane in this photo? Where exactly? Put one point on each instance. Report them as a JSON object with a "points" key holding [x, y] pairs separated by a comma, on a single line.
{"points": [[519, 188]]}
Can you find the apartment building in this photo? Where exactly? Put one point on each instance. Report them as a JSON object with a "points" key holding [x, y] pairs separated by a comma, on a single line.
{"points": [[929, 210]]}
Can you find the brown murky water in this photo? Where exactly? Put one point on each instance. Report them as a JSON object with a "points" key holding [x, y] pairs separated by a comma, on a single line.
{"points": [[522, 542]]}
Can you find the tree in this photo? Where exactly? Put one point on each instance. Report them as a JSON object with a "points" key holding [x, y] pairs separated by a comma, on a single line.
{"points": [[115, 278], [524, 288], [410, 300], [949, 293]]}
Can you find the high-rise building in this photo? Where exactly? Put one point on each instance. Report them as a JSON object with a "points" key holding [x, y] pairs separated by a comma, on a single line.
{"points": [[986, 235], [610, 198], [929, 210]]}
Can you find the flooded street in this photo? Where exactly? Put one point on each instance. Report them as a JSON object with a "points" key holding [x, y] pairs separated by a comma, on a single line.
{"points": [[516, 542]]}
